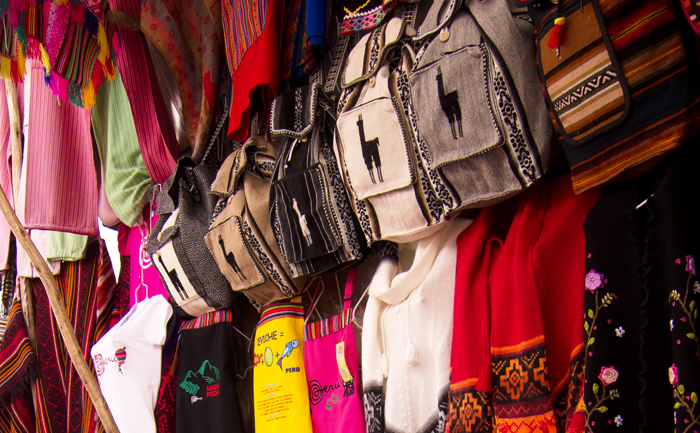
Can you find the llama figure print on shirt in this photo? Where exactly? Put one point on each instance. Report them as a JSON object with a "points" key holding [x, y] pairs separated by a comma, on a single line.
{"points": [[302, 223], [231, 259], [172, 274], [450, 105], [370, 152]]}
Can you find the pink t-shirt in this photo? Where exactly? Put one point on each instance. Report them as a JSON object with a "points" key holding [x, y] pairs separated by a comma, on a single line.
{"points": [[144, 281]]}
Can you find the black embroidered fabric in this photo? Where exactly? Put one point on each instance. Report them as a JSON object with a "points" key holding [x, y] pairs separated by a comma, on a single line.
{"points": [[642, 352]]}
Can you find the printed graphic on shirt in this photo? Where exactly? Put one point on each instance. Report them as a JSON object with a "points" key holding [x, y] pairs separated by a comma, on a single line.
{"points": [[268, 357], [101, 361], [329, 394], [203, 383]]}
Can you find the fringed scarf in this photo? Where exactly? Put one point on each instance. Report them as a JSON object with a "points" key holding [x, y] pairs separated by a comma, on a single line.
{"points": [[68, 38]]}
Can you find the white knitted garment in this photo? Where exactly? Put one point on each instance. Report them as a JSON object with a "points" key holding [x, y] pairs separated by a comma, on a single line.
{"points": [[407, 335]]}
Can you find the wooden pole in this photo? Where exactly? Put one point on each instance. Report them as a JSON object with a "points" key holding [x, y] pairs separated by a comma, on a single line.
{"points": [[59, 312], [15, 134]]}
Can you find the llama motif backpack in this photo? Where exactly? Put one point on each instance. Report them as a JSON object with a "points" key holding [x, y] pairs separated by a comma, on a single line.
{"points": [[476, 110], [376, 152], [310, 212]]}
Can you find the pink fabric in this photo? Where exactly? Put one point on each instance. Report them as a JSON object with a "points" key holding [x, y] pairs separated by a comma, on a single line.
{"points": [[323, 372], [61, 183], [154, 128], [5, 172], [144, 280]]}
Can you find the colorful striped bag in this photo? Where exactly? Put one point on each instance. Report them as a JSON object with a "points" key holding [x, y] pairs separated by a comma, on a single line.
{"points": [[620, 80]]}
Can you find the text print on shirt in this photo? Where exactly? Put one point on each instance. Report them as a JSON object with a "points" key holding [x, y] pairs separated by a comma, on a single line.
{"points": [[101, 361]]}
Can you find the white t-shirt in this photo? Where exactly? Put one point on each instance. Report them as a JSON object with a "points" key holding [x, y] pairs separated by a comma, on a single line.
{"points": [[128, 364]]}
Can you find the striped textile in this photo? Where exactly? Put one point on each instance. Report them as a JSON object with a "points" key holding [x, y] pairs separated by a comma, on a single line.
{"points": [[17, 414], [125, 178], [62, 402], [586, 93], [663, 89], [281, 309], [244, 22], [154, 127], [208, 319], [61, 184], [17, 358], [327, 326]]}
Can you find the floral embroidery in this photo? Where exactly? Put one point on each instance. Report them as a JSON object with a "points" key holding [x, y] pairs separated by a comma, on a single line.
{"points": [[671, 324], [686, 403], [608, 375], [618, 420], [673, 375], [594, 280], [690, 265]]}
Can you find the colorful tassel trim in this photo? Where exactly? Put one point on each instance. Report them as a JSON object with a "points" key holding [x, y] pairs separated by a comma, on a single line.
{"points": [[556, 38], [27, 47]]}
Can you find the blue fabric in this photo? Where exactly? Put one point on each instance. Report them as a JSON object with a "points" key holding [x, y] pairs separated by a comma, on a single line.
{"points": [[316, 22]]}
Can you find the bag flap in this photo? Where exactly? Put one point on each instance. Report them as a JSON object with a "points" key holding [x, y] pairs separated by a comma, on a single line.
{"points": [[168, 230], [229, 175], [293, 112], [170, 191], [375, 149], [439, 14], [463, 32], [227, 244], [368, 55], [176, 281], [306, 221]]}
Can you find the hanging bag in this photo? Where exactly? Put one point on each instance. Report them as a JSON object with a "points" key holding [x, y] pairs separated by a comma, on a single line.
{"points": [[332, 368], [240, 237], [477, 112], [620, 83], [176, 243], [310, 212], [280, 393], [376, 152]]}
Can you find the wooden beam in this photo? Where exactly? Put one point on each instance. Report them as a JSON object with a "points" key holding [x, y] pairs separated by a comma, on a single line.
{"points": [[15, 134], [59, 311]]}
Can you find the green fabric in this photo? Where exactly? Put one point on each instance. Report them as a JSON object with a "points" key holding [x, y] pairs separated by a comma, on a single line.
{"points": [[65, 246], [126, 178]]}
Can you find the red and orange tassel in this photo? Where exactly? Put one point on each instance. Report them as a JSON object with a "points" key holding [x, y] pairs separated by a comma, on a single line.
{"points": [[556, 38]]}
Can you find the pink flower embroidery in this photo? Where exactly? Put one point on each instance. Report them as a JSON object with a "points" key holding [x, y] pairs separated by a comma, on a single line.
{"points": [[690, 265], [594, 280], [673, 375], [678, 261], [608, 375]]}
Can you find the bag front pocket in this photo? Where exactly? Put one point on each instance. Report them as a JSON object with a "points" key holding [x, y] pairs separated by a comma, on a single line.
{"points": [[230, 250], [455, 113], [307, 226], [374, 147], [584, 83]]}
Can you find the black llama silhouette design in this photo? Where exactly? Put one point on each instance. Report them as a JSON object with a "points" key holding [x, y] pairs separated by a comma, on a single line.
{"points": [[231, 259], [370, 152], [450, 105], [172, 274]]}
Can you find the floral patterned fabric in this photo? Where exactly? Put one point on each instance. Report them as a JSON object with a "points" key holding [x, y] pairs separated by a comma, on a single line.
{"points": [[189, 35], [641, 289]]}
